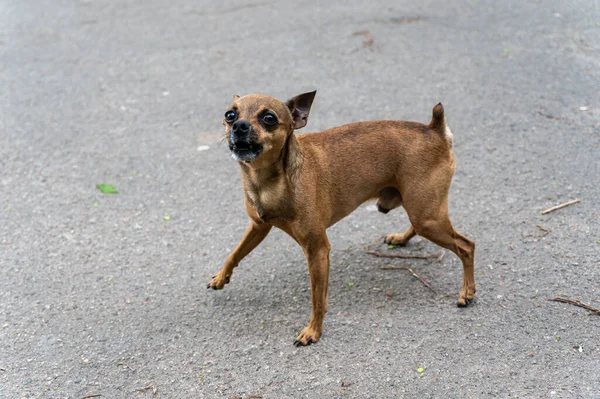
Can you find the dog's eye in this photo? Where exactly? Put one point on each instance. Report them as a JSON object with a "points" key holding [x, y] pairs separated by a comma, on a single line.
{"points": [[230, 116], [269, 119]]}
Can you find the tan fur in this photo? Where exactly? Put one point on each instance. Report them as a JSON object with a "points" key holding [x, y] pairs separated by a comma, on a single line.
{"points": [[303, 184]]}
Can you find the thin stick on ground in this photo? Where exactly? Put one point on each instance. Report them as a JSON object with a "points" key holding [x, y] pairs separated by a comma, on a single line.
{"points": [[554, 208], [549, 116], [415, 275], [369, 40], [153, 387], [439, 258], [403, 256], [94, 395], [124, 365], [576, 303]]}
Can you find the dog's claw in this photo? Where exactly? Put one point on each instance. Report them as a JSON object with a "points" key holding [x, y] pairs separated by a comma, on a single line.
{"points": [[299, 343], [208, 286], [467, 303]]}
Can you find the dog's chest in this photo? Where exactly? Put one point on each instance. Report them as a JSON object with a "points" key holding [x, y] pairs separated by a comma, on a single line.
{"points": [[271, 200]]}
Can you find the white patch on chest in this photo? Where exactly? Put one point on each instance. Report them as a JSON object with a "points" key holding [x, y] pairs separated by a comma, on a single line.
{"points": [[449, 135], [269, 197]]}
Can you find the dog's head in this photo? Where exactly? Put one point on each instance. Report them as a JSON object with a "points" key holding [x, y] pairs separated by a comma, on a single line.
{"points": [[258, 126]]}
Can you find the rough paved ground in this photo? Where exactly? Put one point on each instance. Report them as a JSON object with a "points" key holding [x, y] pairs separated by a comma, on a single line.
{"points": [[99, 294]]}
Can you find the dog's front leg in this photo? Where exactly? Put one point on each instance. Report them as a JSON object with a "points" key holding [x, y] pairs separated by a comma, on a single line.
{"points": [[254, 235], [316, 250]]}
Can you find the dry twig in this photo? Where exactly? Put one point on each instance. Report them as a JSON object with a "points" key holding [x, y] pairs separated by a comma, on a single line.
{"points": [[124, 365], [576, 303], [439, 258], [402, 20], [153, 387], [546, 231], [368, 41], [94, 395], [2, 369], [554, 208], [549, 116], [415, 275], [403, 256]]}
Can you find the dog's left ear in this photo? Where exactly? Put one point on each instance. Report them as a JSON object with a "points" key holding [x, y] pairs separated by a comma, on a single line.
{"points": [[300, 108]]}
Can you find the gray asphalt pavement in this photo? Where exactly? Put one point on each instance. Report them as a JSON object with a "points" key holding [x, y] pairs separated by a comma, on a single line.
{"points": [[106, 294]]}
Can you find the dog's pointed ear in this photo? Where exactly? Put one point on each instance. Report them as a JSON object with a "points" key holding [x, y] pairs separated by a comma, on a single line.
{"points": [[235, 97], [300, 107]]}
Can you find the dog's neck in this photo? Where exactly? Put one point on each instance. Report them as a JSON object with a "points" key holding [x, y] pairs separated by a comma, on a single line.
{"points": [[270, 190]]}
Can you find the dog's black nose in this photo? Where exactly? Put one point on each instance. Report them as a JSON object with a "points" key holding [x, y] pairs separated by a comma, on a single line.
{"points": [[241, 127]]}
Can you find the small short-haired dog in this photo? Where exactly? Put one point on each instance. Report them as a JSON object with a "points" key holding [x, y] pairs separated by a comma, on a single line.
{"points": [[303, 184]]}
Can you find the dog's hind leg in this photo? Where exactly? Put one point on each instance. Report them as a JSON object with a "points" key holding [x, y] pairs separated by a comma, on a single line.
{"points": [[389, 198], [428, 213], [441, 232], [401, 239]]}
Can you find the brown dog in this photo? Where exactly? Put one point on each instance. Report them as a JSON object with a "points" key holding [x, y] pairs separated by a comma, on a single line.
{"points": [[304, 184]]}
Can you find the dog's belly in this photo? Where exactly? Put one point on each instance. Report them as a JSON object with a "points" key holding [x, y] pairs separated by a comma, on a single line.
{"points": [[346, 204]]}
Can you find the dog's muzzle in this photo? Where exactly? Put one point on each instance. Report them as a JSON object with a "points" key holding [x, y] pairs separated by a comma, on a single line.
{"points": [[242, 142]]}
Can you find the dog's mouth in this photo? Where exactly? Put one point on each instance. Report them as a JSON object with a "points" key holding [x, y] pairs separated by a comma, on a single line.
{"points": [[245, 151]]}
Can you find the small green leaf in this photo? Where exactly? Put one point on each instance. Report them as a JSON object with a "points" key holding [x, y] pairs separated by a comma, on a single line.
{"points": [[350, 284], [8, 208], [95, 203], [107, 188], [420, 369], [597, 242], [200, 377], [558, 338], [478, 325], [391, 246], [167, 217]]}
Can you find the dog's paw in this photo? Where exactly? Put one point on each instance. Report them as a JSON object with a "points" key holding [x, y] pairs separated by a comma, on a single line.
{"points": [[466, 297], [396, 239], [463, 302], [307, 336], [218, 281]]}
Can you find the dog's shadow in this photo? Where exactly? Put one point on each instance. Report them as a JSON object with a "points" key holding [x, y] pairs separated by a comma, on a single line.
{"points": [[283, 283]]}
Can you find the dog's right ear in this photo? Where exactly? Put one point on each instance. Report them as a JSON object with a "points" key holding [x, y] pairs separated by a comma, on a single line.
{"points": [[300, 107]]}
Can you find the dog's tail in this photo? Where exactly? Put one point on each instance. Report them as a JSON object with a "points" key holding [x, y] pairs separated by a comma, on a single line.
{"points": [[438, 122]]}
